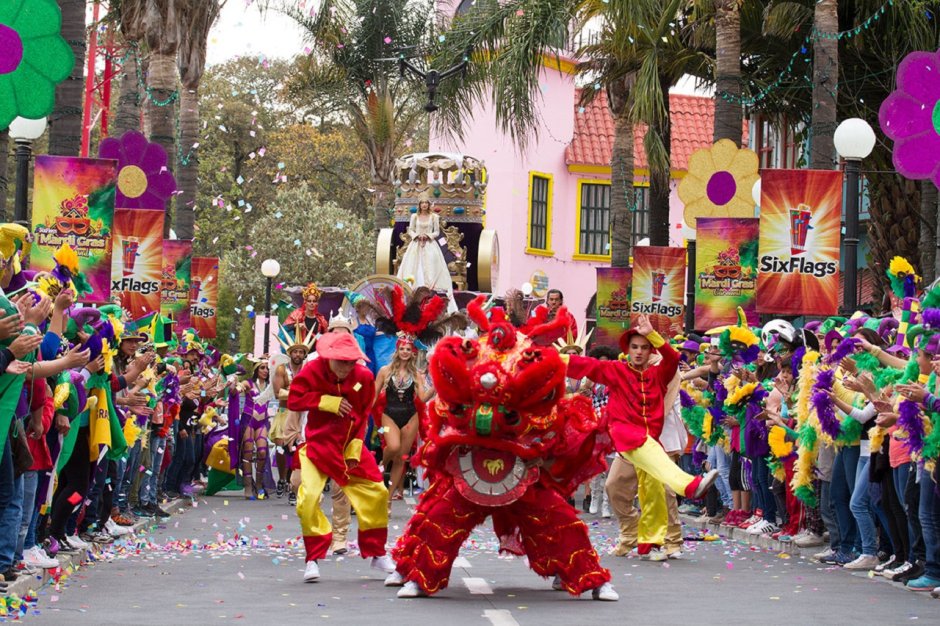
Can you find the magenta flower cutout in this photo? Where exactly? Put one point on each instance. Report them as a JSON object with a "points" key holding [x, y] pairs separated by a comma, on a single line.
{"points": [[144, 181], [911, 117]]}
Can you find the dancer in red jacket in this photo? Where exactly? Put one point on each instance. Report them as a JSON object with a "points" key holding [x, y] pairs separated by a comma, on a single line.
{"points": [[337, 393], [635, 415]]}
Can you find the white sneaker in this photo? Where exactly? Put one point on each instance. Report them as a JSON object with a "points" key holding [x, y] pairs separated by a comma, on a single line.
{"points": [[556, 583], [762, 527], [675, 555], [593, 508], [890, 563], [656, 554], [394, 580], [809, 540], [606, 593], [863, 562], [605, 510], [384, 563], [825, 554], [412, 590], [116, 530], [37, 557], [312, 572], [78, 543], [707, 479]]}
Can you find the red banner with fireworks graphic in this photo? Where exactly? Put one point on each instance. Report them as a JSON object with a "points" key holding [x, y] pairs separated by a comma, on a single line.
{"points": [[659, 287], [137, 260], [800, 228], [177, 270], [613, 304], [204, 295]]}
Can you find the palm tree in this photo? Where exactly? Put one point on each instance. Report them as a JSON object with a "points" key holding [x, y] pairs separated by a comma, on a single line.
{"points": [[129, 15], [65, 129], [196, 19], [355, 43], [728, 111], [825, 85], [162, 34]]}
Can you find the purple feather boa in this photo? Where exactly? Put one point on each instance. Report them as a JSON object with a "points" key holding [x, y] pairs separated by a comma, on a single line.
{"points": [[844, 349], [755, 430], [821, 401], [909, 419], [686, 400], [931, 318]]}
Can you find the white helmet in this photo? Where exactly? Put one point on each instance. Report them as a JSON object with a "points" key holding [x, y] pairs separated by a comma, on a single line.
{"points": [[775, 330]]}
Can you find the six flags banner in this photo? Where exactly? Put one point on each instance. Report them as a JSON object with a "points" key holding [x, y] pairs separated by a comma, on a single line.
{"points": [[659, 287], [725, 270], [137, 260], [204, 295], [176, 274], [73, 203], [800, 228], [613, 304]]}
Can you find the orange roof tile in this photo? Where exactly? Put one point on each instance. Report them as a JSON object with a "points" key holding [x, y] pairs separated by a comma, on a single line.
{"points": [[693, 119]]}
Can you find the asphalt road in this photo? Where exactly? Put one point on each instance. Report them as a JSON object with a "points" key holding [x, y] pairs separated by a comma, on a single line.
{"points": [[228, 559]]}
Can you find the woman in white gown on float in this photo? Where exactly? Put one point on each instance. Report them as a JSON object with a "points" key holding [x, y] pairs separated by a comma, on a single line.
{"points": [[423, 262]]}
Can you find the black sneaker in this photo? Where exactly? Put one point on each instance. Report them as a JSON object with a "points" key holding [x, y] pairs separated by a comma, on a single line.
{"points": [[142, 511], [281, 488], [916, 571], [586, 503], [292, 499], [155, 511]]}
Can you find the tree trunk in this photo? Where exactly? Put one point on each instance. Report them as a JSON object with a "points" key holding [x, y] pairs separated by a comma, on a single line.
{"points": [[383, 199], [188, 166], [127, 116], [161, 110], [65, 123], [728, 112], [825, 86], [4, 180], [930, 212], [622, 196], [660, 181]]}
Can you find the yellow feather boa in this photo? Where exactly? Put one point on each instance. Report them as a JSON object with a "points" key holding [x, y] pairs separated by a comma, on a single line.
{"points": [[777, 440], [876, 438], [741, 393]]}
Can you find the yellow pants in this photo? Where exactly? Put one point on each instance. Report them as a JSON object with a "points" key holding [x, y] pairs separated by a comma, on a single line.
{"points": [[654, 469], [369, 498]]}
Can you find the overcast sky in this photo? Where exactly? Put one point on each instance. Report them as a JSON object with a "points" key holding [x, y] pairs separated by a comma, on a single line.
{"points": [[242, 31]]}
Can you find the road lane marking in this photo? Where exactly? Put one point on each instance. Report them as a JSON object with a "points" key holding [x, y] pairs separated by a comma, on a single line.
{"points": [[500, 617], [478, 586]]}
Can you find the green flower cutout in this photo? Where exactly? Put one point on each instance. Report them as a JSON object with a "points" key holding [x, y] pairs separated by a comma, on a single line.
{"points": [[34, 58]]}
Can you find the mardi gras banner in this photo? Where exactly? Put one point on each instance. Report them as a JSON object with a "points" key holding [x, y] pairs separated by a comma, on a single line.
{"points": [[137, 264], [659, 287], [613, 304], [73, 203], [176, 274], [204, 295], [800, 226], [725, 270]]}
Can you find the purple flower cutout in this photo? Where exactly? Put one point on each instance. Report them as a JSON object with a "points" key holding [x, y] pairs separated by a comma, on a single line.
{"points": [[911, 117], [144, 181]]}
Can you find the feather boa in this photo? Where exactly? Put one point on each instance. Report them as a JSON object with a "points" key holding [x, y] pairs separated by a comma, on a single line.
{"points": [[876, 438], [844, 349], [911, 421], [823, 405], [807, 374], [777, 440], [931, 450], [802, 483]]}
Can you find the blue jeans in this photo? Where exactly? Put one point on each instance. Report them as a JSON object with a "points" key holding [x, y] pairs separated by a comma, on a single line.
{"points": [[718, 459], [127, 469], [930, 522], [861, 507], [11, 507], [181, 467], [148, 487], [843, 486], [760, 474], [30, 482]]}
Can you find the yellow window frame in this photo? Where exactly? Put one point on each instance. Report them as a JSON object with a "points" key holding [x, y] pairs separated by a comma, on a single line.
{"points": [[547, 250], [578, 256]]}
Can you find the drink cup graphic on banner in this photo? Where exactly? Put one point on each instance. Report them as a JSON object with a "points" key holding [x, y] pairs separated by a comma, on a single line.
{"points": [[799, 227], [194, 290], [130, 245], [659, 281]]}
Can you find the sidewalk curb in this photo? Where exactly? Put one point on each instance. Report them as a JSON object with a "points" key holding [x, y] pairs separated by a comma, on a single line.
{"points": [[36, 582], [761, 541]]}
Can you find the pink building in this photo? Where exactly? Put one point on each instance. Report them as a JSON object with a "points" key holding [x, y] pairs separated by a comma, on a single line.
{"points": [[550, 205]]}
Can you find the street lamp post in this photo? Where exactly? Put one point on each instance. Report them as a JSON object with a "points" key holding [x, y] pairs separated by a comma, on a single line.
{"points": [[690, 278], [854, 140], [24, 132], [269, 269]]}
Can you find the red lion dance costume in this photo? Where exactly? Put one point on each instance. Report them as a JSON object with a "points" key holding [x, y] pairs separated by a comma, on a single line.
{"points": [[502, 440]]}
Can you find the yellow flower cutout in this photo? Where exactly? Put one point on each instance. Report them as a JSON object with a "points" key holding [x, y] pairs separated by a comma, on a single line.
{"points": [[719, 182]]}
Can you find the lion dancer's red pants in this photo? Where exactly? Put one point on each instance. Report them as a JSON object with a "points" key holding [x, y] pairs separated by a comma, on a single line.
{"points": [[555, 540]]}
